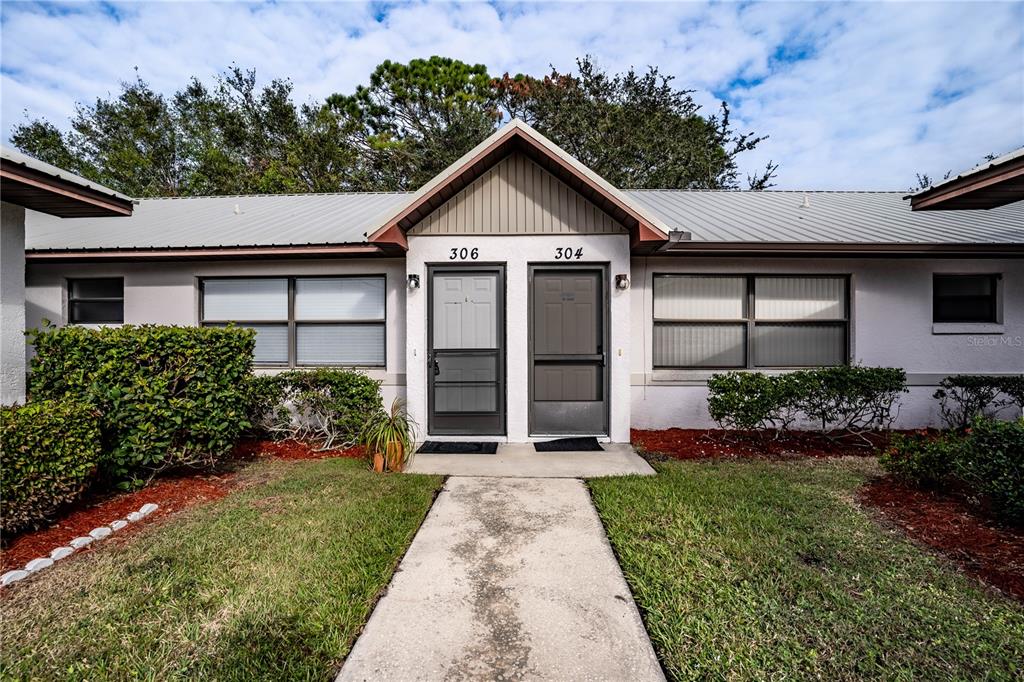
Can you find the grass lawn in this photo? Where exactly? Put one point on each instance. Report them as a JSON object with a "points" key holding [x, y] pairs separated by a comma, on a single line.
{"points": [[272, 582], [770, 570]]}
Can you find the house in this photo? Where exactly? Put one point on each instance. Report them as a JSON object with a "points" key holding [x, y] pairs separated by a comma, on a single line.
{"points": [[518, 295], [30, 184]]}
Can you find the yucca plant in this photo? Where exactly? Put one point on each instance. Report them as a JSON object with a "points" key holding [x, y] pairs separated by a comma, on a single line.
{"points": [[389, 434]]}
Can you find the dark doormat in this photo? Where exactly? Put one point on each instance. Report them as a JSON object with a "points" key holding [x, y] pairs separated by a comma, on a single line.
{"points": [[437, 447], [569, 445]]}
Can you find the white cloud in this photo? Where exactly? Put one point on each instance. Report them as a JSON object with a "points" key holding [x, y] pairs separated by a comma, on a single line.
{"points": [[853, 95]]}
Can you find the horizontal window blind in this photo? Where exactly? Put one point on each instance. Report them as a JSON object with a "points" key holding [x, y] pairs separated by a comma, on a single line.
{"points": [[346, 344], [350, 298], [250, 300], [692, 297], [788, 344], [700, 345], [799, 298], [271, 342]]}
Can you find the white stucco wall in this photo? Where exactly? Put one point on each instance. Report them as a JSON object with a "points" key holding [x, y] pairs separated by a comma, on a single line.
{"points": [[12, 304], [891, 325], [168, 293], [517, 253], [890, 301]]}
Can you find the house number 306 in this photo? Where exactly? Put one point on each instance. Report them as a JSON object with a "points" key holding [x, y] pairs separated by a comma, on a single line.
{"points": [[464, 254], [567, 253]]}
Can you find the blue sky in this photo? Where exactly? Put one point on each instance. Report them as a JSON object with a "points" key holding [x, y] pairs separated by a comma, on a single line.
{"points": [[853, 95]]}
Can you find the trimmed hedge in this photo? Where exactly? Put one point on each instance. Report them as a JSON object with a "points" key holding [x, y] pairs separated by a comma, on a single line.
{"points": [[167, 396], [963, 397], [50, 450], [986, 462], [848, 398], [325, 405]]}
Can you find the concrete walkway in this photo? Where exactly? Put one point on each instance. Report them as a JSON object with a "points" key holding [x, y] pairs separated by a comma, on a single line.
{"points": [[521, 460], [507, 579]]}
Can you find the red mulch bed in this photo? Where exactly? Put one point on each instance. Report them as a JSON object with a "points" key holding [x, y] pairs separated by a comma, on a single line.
{"points": [[712, 443], [172, 494], [995, 554]]}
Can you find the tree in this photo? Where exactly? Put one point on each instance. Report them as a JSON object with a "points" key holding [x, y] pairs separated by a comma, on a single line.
{"points": [[408, 124], [925, 181], [634, 129], [128, 142], [233, 138], [413, 120]]}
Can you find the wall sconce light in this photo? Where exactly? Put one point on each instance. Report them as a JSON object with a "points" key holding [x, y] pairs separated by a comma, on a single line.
{"points": [[621, 282], [414, 282]]}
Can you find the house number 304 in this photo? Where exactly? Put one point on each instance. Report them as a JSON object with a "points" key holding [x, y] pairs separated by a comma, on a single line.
{"points": [[464, 254], [563, 253]]}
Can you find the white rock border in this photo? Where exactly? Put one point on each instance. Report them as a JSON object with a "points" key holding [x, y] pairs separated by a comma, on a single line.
{"points": [[42, 563]]}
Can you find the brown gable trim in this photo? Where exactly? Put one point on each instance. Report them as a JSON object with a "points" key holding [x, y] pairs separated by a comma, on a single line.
{"points": [[511, 139], [983, 189], [41, 192], [205, 253]]}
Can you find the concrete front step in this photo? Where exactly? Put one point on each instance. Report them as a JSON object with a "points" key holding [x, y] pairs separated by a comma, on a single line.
{"points": [[520, 460]]}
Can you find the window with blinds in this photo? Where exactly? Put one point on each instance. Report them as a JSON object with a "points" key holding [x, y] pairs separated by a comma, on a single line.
{"points": [[304, 321], [750, 321]]}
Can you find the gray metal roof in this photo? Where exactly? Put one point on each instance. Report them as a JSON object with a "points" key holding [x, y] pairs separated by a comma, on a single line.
{"points": [[14, 156], [827, 218], [262, 220], [712, 216]]}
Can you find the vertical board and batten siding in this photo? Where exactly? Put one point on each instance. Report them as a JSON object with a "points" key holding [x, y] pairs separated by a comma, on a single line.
{"points": [[517, 196]]}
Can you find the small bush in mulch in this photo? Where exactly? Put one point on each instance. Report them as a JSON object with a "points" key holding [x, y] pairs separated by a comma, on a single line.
{"points": [[325, 405], [982, 464], [993, 553], [721, 443]]}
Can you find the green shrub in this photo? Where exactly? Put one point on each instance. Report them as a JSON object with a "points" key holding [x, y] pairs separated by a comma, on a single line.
{"points": [[963, 397], [836, 398], [752, 400], [167, 396], [991, 464], [850, 398], [50, 450], [265, 408], [922, 460], [985, 461], [329, 406], [1013, 387]]}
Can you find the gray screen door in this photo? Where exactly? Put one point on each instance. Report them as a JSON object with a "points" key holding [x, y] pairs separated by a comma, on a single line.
{"points": [[465, 372], [567, 353]]}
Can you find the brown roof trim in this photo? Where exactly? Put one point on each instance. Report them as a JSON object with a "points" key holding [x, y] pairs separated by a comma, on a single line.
{"points": [[990, 187], [38, 191], [206, 253], [873, 250]]}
